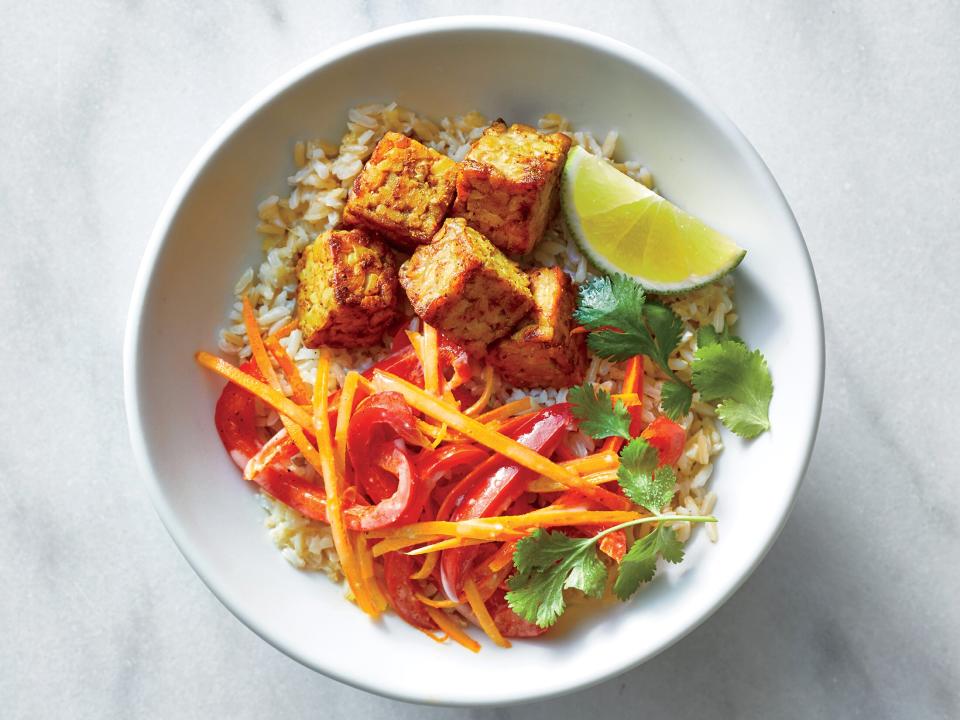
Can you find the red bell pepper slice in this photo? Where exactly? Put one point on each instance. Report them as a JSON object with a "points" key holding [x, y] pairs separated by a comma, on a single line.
{"points": [[400, 589], [433, 465], [507, 621], [667, 437], [496, 484], [403, 506], [236, 419], [377, 420]]}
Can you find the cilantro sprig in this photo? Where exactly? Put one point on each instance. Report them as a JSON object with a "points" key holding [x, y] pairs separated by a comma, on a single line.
{"points": [[549, 562], [599, 416], [623, 323], [729, 372]]}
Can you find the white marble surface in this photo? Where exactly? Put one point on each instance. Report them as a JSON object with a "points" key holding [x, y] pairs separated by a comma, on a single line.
{"points": [[855, 612]]}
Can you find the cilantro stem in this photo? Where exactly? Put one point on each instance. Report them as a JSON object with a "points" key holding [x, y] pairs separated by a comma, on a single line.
{"points": [[656, 518]]}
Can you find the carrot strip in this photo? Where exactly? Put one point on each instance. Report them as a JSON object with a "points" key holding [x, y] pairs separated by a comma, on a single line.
{"points": [[632, 384], [431, 360], [284, 330], [506, 410], [454, 631], [442, 638], [323, 456], [482, 614], [508, 447], [593, 463], [274, 398], [502, 528], [344, 413], [266, 455], [441, 436], [449, 544], [484, 398], [429, 563], [377, 598], [400, 542], [259, 351], [430, 602], [543, 485], [502, 557], [301, 391], [256, 345]]}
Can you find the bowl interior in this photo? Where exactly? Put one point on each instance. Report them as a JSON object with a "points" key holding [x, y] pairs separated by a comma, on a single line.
{"points": [[518, 70]]}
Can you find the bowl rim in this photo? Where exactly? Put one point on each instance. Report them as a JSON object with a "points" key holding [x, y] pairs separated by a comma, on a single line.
{"points": [[439, 25]]}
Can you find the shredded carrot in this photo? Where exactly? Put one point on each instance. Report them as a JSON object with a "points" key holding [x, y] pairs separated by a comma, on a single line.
{"points": [[430, 602], [502, 557], [543, 485], [416, 342], [450, 627], [399, 542], [627, 399], [500, 528], [441, 436], [283, 330], [506, 410], [266, 454], [579, 329], [484, 398], [365, 558], [441, 638], [482, 614], [449, 544], [344, 413], [323, 456], [508, 447], [256, 345], [259, 351], [301, 391], [631, 385], [429, 563], [431, 360], [593, 463], [274, 398]]}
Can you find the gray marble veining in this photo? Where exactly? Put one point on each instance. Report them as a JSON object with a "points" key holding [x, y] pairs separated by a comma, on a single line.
{"points": [[855, 612]]}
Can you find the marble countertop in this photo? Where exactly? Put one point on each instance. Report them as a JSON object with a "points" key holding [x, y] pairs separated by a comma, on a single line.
{"points": [[856, 610]]}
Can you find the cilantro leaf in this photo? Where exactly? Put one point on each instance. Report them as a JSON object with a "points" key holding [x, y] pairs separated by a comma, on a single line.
{"points": [[666, 327], [729, 372], [547, 563], [619, 346], [675, 399], [643, 482], [639, 565], [614, 301], [707, 335], [599, 416]]}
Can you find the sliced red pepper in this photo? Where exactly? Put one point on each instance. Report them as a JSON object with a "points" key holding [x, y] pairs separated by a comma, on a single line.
{"points": [[637, 424], [404, 505], [236, 419], [397, 569], [667, 437], [507, 621], [379, 419], [433, 465], [496, 484], [289, 488], [404, 363]]}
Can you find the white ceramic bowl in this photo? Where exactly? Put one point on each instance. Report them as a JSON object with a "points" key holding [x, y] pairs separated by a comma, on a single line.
{"points": [[205, 237]]}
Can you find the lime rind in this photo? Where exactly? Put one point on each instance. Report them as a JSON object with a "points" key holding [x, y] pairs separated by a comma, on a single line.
{"points": [[617, 213]]}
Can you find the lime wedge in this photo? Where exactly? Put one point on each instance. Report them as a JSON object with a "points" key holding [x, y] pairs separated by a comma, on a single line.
{"points": [[623, 227]]}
